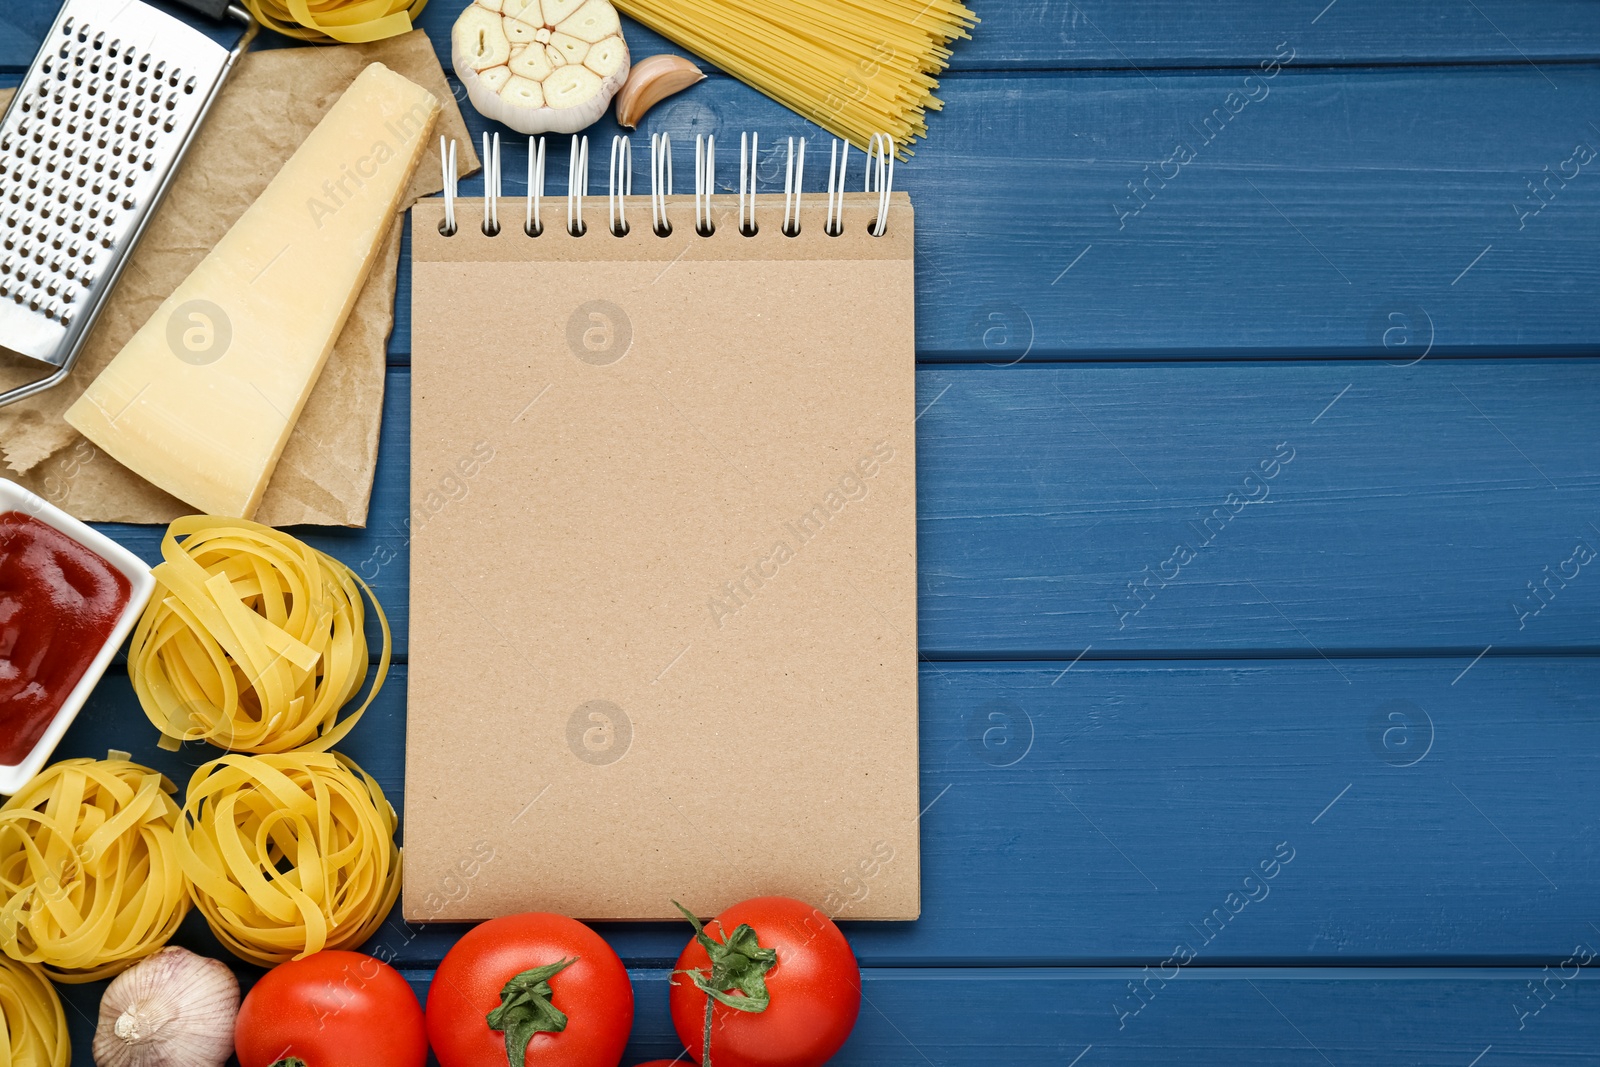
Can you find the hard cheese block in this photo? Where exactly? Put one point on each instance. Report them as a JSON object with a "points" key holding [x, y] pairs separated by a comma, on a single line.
{"points": [[204, 396]]}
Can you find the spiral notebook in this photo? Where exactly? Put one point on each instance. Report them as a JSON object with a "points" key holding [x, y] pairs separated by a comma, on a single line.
{"points": [[663, 558]]}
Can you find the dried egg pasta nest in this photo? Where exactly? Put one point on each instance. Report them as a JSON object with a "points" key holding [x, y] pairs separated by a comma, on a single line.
{"points": [[346, 21], [33, 1028], [289, 854], [88, 868], [254, 640]]}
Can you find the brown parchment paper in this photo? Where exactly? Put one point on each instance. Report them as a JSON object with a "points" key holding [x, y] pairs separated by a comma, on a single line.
{"points": [[270, 105]]}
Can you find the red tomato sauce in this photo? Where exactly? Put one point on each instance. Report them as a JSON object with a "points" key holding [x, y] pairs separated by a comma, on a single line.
{"points": [[59, 602]]}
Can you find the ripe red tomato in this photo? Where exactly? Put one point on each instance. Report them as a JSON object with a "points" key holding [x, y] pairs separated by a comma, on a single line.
{"points": [[331, 1009], [534, 972], [813, 986]]}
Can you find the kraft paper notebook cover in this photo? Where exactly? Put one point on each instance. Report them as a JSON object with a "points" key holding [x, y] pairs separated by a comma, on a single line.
{"points": [[663, 565]]}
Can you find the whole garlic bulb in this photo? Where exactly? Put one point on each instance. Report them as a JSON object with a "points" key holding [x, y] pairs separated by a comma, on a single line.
{"points": [[172, 1009], [540, 66]]}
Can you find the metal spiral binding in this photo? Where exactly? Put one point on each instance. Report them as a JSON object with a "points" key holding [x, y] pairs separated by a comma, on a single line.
{"points": [[620, 185], [705, 180], [879, 179], [491, 185], [838, 164], [880, 165], [447, 169], [660, 183], [577, 185], [793, 185], [532, 224], [748, 155]]}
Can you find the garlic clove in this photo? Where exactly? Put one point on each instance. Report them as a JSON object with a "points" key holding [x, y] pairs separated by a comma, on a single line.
{"points": [[171, 1009], [651, 81]]}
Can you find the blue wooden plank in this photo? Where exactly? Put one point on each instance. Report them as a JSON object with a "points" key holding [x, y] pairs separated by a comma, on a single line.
{"points": [[22, 27], [1152, 34], [1266, 812], [1026, 1017], [1420, 503], [1202, 1017], [1334, 214], [1441, 506]]}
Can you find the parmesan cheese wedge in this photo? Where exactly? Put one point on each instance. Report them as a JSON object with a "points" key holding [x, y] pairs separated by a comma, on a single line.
{"points": [[202, 399]]}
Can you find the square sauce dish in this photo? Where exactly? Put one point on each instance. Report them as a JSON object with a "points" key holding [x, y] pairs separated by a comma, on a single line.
{"points": [[69, 597]]}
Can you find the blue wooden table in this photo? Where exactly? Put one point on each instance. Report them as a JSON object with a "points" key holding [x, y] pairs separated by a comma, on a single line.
{"points": [[1258, 528]]}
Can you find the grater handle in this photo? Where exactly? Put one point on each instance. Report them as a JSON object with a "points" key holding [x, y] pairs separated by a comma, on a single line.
{"points": [[50, 381], [212, 9]]}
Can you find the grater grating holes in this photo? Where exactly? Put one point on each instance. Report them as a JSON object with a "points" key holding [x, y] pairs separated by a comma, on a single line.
{"points": [[81, 155]]}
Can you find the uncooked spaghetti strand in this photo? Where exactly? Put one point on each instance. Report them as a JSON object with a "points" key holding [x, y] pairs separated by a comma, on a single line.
{"points": [[855, 67]]}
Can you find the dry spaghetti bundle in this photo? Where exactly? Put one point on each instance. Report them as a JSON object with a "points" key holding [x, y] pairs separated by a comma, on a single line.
{"points": [[33, 1028], [289, 854], [89, 869], [254, 640], [854, 67], [345, 21]]}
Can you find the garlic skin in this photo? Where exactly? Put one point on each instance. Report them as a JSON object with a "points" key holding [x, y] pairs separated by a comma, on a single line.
{"points": [[172, 1009], [651, 81]]}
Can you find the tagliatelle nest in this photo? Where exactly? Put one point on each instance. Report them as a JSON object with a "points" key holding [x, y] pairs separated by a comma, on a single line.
{"points": [[289, 854], [35, 1033], [254, 640], [89, 871], [345, 21]]}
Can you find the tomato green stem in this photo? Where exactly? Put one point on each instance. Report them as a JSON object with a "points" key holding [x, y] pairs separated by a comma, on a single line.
{"points": [[705, 1052], [740, 963], [290, 1061], [525, 1009]]}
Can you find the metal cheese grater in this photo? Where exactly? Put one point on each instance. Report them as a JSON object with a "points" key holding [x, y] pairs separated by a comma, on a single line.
{"points": [[88, 146]]}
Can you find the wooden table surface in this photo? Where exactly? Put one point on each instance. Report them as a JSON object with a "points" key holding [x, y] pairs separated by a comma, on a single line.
{"points": [[1374, 672]]}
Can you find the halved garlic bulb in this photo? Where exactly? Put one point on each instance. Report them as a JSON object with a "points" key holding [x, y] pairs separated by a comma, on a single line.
{"points": [[540, 66]]}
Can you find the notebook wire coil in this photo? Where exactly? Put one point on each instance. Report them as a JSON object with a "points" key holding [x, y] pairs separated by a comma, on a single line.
{"points": [[749, 155], [660, 183], [794, 174], [491, 185], [577, 185], [532, 224], [878, 180], [619, 185], [705, 180]]}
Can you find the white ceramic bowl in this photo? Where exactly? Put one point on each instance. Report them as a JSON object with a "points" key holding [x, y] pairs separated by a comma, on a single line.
{"points": [[141, 583]]}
